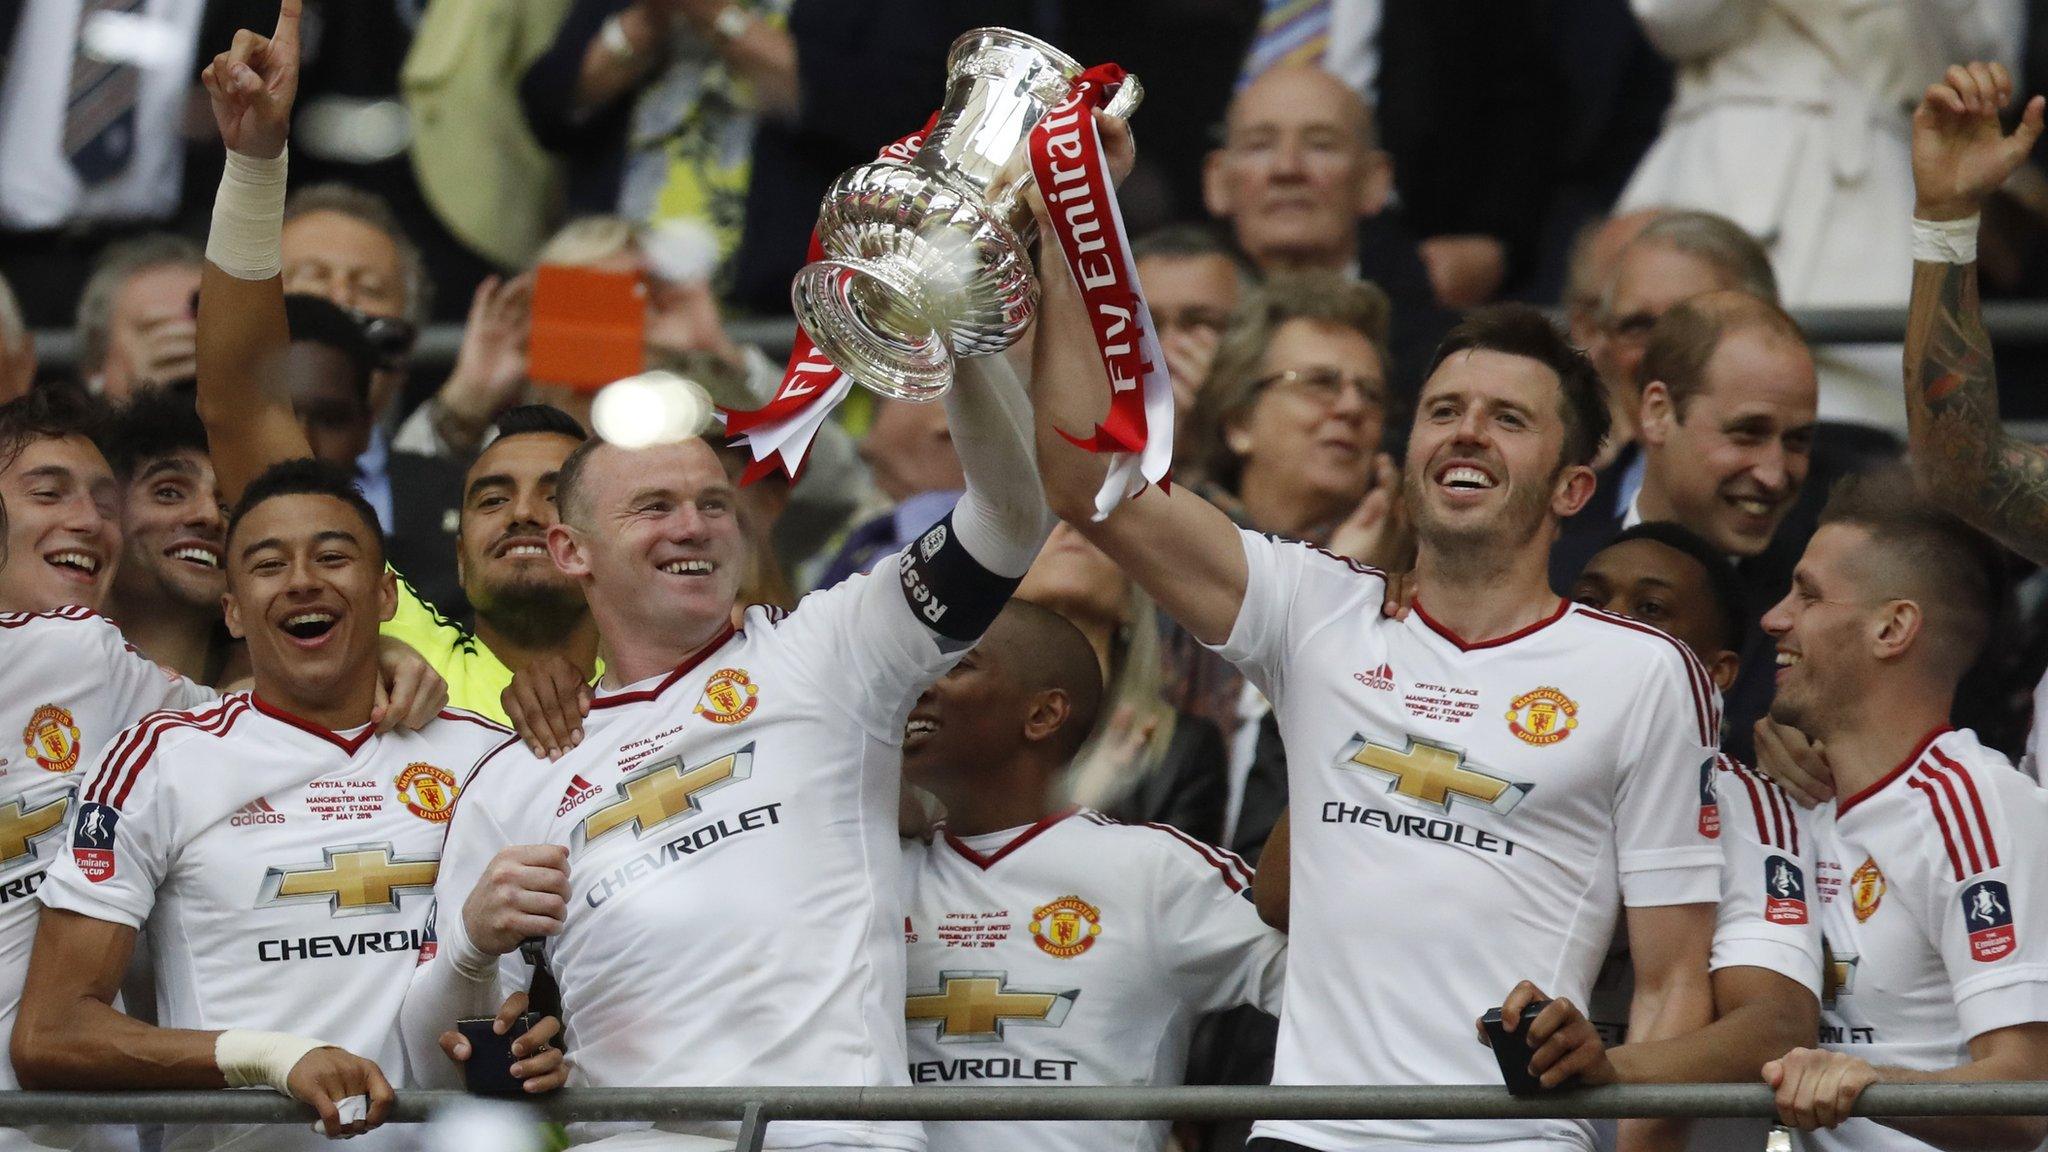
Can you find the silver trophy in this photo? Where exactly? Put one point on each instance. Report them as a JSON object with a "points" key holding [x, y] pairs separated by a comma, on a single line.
{"points": [[930, 258]]}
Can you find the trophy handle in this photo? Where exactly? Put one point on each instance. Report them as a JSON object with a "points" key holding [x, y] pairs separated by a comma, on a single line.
{"points": [[1129, 95]]}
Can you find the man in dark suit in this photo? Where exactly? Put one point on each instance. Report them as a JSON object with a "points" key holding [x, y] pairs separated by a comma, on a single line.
{"points": [[1303, 185], [1726, 428]]}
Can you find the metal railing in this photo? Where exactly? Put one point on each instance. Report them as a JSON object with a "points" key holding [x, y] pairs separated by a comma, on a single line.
{"points": [[755, 1108]]}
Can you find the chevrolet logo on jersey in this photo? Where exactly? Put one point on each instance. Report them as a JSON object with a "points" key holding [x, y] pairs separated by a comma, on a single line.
{"points": [[1433, 774], [975, 1006], [652, 796], [354, 880], [19, 829]]}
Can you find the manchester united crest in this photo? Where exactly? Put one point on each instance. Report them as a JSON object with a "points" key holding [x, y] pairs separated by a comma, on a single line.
{"points": [[729, 697], [1543, 717], [429, 792], [1066, 927], [1866, 889], [51, 738]]}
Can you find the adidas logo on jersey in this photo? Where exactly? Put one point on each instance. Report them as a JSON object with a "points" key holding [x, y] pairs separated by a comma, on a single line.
{"points": [[578, 791], [257, 811], [1381, 678]]}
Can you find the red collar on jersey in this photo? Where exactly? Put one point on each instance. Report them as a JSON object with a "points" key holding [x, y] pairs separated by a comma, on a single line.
{"points": [[1021, 839], [1563, 606], [1842, 807], [682, 670], [347, 744]]}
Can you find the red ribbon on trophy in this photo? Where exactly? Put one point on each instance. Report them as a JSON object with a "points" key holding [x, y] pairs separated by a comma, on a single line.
{"points": [[779, 433], [1073, 176]]}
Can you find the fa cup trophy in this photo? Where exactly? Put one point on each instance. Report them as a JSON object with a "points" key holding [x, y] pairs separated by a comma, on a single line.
{"points": [[930, 258]]}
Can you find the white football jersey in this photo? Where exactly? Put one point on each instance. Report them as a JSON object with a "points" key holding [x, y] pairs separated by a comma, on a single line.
{"points": [[68, 683], [736, 915], [285, 873], [1767, 917], [1931, 882], [1075, 951], [1465, 816]]}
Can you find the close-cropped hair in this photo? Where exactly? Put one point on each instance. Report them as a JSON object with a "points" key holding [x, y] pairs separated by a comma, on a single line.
{"points": [[1235, 377], [1685, 339], [1955, 573], [307, 477], [1730, 605], [1519, 330]]}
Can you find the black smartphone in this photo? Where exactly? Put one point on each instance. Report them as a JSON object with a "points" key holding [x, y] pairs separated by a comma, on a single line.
{"points": [[488, 1071], [1512, 1049]]}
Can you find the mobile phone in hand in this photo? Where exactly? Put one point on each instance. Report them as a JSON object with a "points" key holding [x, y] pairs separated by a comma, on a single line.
{"points": [[1512, 1049]]}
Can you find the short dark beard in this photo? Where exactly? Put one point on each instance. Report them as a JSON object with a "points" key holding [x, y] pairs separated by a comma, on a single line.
{"points": [[1485, 549], [532, 614]]}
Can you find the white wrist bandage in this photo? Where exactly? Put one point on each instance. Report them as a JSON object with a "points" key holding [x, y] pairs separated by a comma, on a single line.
{"points": [[1945, 241], [246, 241], [250, 1059]]}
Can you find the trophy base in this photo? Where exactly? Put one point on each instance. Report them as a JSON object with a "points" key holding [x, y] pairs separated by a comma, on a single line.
{"points": [[868, 317]]}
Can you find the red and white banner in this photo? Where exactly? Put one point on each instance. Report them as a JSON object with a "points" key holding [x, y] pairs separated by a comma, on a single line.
{"points": [[1080, 200]]}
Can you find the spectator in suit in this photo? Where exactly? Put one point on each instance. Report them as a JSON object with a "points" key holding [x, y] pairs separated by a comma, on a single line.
{"points": [[1144, 761], [347, 247], [1727, 425], [1303, 185], [1674, 256], [91, 147], [910, 458], [17, 347], [137, 324], [329, 368]]}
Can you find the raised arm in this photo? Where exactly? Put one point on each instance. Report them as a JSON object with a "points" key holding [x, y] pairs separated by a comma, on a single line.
{"points": [[243, 398], [1178, 547], [1960, 451]]}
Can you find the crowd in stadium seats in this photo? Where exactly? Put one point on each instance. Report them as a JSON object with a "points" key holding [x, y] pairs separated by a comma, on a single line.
{"points": [[1537, 617]]}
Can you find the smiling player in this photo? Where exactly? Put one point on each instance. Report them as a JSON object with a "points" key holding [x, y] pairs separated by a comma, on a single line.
{"points": [[280, 839]]}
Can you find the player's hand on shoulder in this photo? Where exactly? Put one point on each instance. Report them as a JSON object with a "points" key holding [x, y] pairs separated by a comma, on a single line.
{"points": [[1817, 1088], [349, 1091], [1798, 765], [538, 1064], [1563, 1044], [523, 893], [1399, 598], [409, 692], [546, 702]]}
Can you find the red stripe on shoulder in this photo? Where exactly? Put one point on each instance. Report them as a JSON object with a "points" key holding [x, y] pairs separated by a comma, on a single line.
{"points": [[1704, 709], [484, 722], [134, 748], [477, 768], [68, 612], [1934, 805], [1227, 863], [1969, 783], [1933, 774]]}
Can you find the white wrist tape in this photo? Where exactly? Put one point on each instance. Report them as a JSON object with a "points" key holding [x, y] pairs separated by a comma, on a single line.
{"points": [[247, 239], [251, 1059], [1945, 241]]}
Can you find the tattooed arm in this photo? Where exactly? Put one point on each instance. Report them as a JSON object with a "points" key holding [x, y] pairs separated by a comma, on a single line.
{"points": [[1959, 449]]}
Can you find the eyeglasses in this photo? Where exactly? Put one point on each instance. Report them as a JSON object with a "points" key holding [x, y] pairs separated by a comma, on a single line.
{"points": [[1326, 385]]}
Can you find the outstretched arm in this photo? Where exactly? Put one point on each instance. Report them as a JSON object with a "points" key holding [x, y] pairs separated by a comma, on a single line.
{"points": [[1178, 547], [1959, 449], [243, 398]]}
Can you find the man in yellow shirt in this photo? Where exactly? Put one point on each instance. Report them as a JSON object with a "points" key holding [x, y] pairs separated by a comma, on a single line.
{"points": [[525, 607]]}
